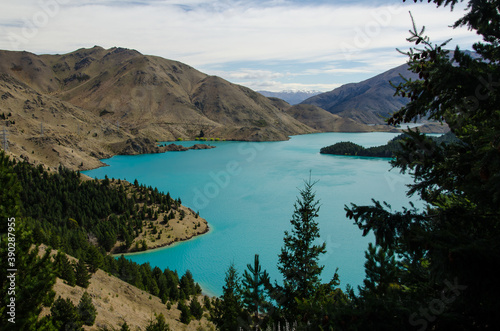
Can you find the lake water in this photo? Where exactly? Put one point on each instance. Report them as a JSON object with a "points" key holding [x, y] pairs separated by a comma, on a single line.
{"points": [[247, 190]]}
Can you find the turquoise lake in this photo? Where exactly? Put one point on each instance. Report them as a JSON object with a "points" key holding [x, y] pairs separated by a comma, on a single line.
{"points": [[247, 190]]}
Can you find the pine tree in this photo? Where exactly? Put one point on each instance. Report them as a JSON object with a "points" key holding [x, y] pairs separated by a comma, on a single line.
{"points": [[382, 271], [298, 261], [185, 313], [448, 248], [94, 259], [82, 274], [228, 309], [64, 268], [254, 282], [10, 189], [86, 310], [195, 308], [65, 315], [35, 276], [124, 327], [187, 284], [158, 325]]}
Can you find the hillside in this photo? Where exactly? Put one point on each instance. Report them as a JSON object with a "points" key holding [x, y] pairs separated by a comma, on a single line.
{"points": [[369, 101], [323, 121], [85, 219], [117, 301], [69, 108], [290, 96]]}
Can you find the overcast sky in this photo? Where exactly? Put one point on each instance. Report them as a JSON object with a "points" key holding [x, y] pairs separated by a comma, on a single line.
{"points": [[263, 44]]}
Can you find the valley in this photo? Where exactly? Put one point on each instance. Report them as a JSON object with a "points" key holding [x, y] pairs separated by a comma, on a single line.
{"points": [[77, 108]]}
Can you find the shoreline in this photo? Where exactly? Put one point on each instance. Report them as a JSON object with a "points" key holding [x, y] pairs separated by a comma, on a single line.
{"points": [[166, 245]]}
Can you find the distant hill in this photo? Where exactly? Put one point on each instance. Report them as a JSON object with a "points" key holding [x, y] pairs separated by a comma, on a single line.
{"points": [[367, 102], [290, 96], [323, 121]]}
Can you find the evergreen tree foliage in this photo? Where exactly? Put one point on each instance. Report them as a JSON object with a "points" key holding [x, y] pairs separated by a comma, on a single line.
{"points": [[254, 283], [33, 282], [195, 308], [445, 252], [158, 325], [10, 190], [124, 327], [185, 312], [82, 275], [86, 310], [94, 259], [65, 315], [186, 283], [298, 261], [228, 309], [35, 275], [207, 303], [67, 209], [64, 268]]}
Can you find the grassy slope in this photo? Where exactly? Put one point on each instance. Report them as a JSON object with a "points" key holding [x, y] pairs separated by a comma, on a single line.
{"points": [[117, 301]]}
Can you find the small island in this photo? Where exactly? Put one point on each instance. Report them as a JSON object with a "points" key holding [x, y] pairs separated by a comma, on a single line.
{"points": [[388, 150], [180, 148], [352, 149]]}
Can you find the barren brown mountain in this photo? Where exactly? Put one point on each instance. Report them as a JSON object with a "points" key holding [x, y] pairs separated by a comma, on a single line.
{"points": [[76, 108]]}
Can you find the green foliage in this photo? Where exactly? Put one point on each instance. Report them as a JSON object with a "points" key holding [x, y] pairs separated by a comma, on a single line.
{"points": [[254, 283], [67, 209], [298, 261], [388, 150], [207, 303], [65, 315], [444, 251], [343, 148], [10, 190], [33, 285], [124, 327], [352, 149], [64, 268], [82, 275], [228, 309], [195, 308], [185, 312], [86, 310], [158, 325], [94, 259], [35, 276]]}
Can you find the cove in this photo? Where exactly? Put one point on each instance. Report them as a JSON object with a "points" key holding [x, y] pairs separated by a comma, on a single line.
{"points": [[246, 191]]}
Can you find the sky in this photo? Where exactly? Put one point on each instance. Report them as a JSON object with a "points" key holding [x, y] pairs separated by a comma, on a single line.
{"points": [[271, 45]]}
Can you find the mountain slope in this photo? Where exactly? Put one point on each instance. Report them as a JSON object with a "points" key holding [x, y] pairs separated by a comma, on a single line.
{"points": [[117, 301], [369, 101], [159, 98], [292, 97], [323, 121]]}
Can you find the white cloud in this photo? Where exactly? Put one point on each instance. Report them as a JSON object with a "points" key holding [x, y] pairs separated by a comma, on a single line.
{"points": [[206, 33]]}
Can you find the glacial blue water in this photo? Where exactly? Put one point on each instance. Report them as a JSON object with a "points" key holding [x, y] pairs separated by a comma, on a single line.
{"points": [[246, 191]]}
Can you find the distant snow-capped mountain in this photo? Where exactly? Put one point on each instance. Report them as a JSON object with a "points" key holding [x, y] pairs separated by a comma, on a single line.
{"points": [[293, 97]]}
